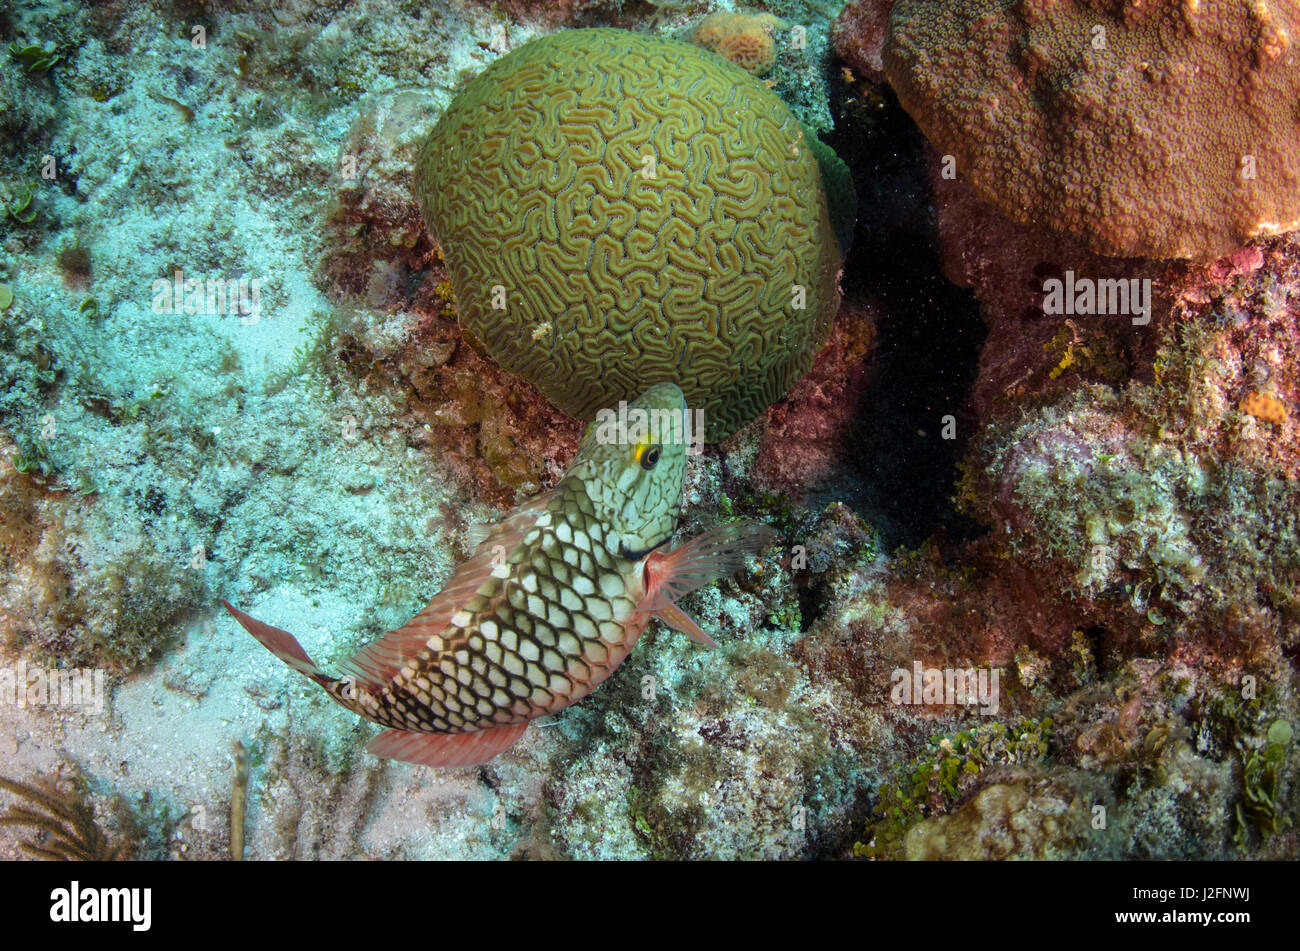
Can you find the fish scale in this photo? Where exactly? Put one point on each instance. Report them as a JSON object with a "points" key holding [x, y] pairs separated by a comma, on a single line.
{"points": [[533, 643], [547, 607]]}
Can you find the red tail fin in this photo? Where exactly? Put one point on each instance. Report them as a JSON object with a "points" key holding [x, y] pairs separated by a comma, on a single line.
{"points": [[280, 643]]}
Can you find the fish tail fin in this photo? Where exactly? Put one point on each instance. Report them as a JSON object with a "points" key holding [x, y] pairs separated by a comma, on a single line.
{"points": [[282, 644], [670, 576], [446, 749]]}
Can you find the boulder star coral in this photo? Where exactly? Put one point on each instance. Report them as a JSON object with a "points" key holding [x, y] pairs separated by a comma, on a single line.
{"points": [[1143, 128], [618, 210]]}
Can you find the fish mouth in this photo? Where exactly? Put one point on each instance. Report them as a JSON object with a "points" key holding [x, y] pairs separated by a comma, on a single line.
{"points": [[638, 555]]}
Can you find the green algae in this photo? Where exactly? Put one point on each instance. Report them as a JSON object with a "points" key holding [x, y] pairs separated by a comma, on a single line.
{"points": [[1100, 357], [310, 354], [36, 59], [1261, 806], [33, 459], [933, 782], [22, 209]]}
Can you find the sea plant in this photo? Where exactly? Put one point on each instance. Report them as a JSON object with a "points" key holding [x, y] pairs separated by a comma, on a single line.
{"points": [[65, 826]]}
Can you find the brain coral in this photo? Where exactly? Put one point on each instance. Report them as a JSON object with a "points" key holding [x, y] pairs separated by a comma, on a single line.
{"points": [[1156, 128], [618, 210]]}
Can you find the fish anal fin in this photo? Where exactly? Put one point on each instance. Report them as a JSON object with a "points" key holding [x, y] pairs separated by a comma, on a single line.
{"points": [[446, 749], [679, 620]]}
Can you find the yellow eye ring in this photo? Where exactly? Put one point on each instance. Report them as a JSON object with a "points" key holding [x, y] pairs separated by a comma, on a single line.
{"points": [[648, 455]]}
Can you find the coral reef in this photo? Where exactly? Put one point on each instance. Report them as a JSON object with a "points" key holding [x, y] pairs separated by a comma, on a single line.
{"points": [[621, 296], [1158, 130], [807, 434], [1153, 534], [1034, 818], [376, 222], [859, 34], [935, 781], [1120, 544], [500, 437], [1136, 467]]}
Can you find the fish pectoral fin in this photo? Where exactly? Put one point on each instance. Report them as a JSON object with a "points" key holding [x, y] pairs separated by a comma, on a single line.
{"points": [[679, 620], [446, 749], [510, 531], [477, 534], [670, 576]]}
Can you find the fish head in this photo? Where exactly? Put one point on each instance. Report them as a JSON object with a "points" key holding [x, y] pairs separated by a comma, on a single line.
{"points": [[631, 464]]}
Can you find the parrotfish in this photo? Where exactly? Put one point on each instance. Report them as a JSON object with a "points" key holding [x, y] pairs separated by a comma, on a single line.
{"points": [[546, 608]]}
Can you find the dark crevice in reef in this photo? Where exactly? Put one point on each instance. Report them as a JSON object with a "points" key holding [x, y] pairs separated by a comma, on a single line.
{"points": [[1098, 638], [1292, 653], [812, 604], [929, 335]]}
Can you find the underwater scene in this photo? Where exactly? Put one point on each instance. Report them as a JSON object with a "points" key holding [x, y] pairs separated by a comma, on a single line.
{"points": [[649, 429]]}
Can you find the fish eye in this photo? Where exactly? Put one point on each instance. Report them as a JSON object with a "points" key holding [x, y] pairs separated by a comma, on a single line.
{"points": [[648, 456]]}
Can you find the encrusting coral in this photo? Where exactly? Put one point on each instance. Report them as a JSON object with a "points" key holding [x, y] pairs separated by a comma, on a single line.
{"points": [[746, 39]]}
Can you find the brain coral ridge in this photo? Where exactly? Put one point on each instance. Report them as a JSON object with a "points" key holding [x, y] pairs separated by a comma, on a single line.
{"points": [[1154, 128], [618, 210]]}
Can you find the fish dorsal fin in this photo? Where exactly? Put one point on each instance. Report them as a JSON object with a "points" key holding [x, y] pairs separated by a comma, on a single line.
{"points": [[670, 576], [378, 663]]}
